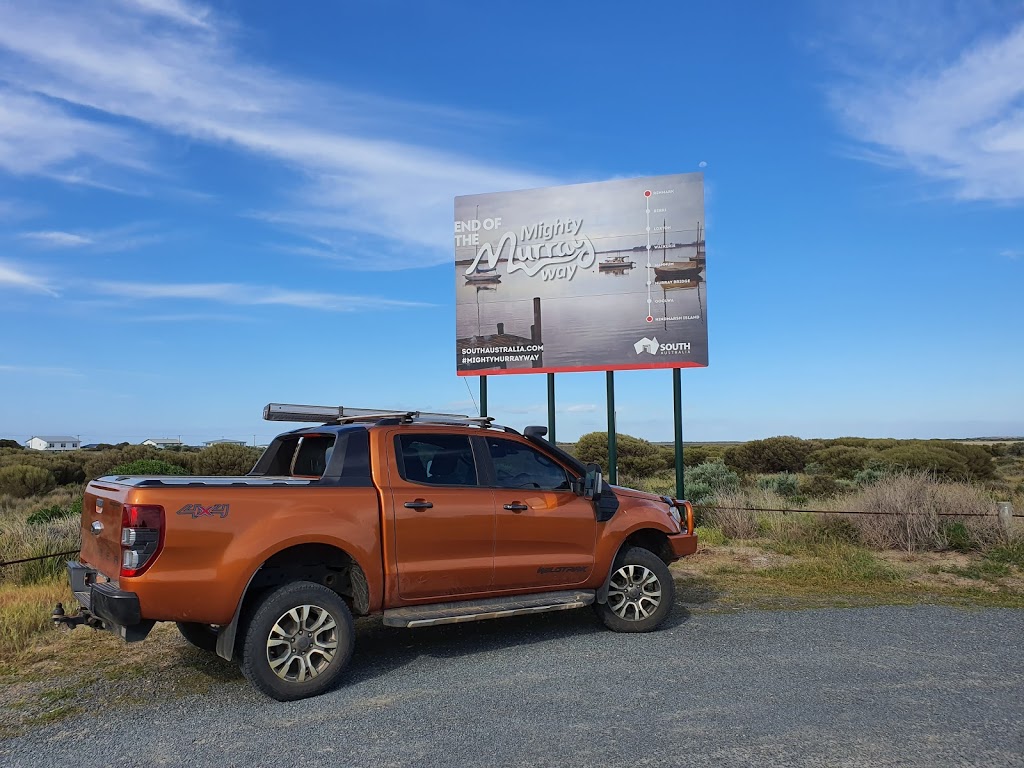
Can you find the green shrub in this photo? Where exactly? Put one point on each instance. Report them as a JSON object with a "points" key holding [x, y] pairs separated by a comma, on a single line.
{"points": [[784, 484], [695, 455], [876, 471], [11, 444], [978, 460], [837, 528], [958, 537], [1015, 449], [709, 479], [22, 480], [147, 467], [821, 487], [1008, 554], [227, 459], [635, 457], [942, 462], [56, 512], [776, 454], [842, 461]]}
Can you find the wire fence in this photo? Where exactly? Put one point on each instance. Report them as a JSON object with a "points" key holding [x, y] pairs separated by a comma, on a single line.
{"points": [[705, 507], [40, 557], [702, 507]]}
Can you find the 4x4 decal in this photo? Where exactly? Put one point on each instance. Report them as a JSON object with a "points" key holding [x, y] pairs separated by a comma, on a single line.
{"points": [[198, 510]]}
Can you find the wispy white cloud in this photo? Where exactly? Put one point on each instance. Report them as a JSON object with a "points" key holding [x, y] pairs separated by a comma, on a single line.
{"points": [[362, 164], [17, 277], [124, 238], [173, 10], [247, 295], [580, 408], [40, 136], [57, 239], [1012, 254], [939, 93]]}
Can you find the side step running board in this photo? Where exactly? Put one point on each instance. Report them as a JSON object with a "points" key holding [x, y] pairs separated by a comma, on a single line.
{"points": [[493, 608]]}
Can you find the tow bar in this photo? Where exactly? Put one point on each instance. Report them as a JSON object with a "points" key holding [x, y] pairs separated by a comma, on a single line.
{"points": [[59, 617]]}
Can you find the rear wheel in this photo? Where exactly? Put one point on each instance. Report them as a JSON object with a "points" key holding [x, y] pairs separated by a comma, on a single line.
{"points": [[641, 592], [298, 641], [202, 636]]}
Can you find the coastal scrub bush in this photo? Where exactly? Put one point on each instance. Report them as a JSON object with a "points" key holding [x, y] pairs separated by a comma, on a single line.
{"points": [[821, 487], [634, 456], [842, 461], [784, 484], [225, 459], [708, 480], [147, 467], [926, 458], [22, 480], [775, 454], [56, 512]]}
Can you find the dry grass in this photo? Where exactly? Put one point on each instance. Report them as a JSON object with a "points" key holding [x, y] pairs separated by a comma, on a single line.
{"points": [[909, 512], [915, 512], [25, 612], [28, 591]]}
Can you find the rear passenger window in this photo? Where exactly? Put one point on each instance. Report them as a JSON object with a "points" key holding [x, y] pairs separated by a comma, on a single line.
{"points": [[436, 459]]}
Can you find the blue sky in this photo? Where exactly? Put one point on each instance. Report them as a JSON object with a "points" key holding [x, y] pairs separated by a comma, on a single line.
{"points": [[204, 208]]}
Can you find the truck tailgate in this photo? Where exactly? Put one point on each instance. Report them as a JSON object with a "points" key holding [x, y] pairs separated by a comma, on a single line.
{"points": [[101, 527]]}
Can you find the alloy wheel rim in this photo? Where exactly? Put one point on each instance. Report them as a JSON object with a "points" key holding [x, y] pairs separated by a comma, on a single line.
{"points": [[302, 643], [634, 593]]}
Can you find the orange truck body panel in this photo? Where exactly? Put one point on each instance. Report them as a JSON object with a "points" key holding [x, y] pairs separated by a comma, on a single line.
{"points": [[467, 545]]}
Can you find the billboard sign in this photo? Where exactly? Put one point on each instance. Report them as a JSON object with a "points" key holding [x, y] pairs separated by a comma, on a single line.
{"points": [[587, 277]]}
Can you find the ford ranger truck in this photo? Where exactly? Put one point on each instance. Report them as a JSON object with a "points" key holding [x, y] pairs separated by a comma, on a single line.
{"points": [[421, 519]]}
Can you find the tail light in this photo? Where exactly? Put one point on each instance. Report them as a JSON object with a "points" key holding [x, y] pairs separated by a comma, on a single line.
{"points": [[142, 537]]}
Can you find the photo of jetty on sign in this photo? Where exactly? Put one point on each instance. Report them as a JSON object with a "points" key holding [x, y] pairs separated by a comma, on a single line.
{"points": [[587, 277]]}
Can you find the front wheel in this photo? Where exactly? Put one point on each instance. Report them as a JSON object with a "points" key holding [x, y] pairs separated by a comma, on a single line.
{"points": [[298, 642], [641, 592]]}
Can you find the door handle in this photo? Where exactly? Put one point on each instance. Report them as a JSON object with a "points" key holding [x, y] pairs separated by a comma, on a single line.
{"points": [[418, 504], [516, 506]]}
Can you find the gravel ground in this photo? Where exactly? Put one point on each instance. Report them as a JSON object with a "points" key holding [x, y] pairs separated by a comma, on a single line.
{"points": [[891, 686]]}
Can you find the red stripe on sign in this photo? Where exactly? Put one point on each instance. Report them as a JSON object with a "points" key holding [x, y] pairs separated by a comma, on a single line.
{"points": [[580, 369]]}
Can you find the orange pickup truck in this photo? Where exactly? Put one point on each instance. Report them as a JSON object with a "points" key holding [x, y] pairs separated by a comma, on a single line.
{"points": [[420, 518]]}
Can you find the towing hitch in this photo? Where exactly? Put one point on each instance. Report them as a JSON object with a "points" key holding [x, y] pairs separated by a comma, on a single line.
{"points": [[82, 617]]}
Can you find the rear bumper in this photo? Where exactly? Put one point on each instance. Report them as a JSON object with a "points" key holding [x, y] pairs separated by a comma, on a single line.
{"points": [[683, 544], [117, 610]]}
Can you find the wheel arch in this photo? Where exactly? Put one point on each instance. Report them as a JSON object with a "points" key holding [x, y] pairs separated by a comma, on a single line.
{"points": [[316, 561], [652, 539]]}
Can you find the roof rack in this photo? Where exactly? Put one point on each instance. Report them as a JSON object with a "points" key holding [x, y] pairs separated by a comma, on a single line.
{"points": [[340, 415]]}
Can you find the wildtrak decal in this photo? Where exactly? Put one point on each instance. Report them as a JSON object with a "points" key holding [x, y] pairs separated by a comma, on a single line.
{"points": [[563, 569]]}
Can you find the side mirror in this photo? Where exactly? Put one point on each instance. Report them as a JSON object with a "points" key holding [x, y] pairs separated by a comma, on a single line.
{"points": [[592, 483]]}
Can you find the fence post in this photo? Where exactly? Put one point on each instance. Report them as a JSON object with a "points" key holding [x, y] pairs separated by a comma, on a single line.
{"points": [[1006, 515]]}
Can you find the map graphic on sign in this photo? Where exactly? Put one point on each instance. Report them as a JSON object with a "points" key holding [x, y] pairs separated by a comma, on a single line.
{"points": [[588, 277]]}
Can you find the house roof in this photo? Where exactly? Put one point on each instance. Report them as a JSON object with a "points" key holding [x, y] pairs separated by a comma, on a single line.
{"points": [[55, 439], [172, 440], [214, 442]]}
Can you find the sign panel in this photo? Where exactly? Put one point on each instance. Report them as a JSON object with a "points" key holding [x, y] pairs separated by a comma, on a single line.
{"points": [[587, 277]]}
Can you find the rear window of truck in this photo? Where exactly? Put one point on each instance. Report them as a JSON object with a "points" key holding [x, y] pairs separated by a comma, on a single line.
{"points": [[334, 455]]}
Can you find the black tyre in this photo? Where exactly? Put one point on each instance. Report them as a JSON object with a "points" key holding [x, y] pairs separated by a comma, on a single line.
{"points": [[641, 592], [202, 636], [298, 641]]}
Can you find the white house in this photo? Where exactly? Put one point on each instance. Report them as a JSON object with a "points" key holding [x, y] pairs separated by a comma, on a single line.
{"points": [[208, 443], [162, 442], [51, 443]]}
